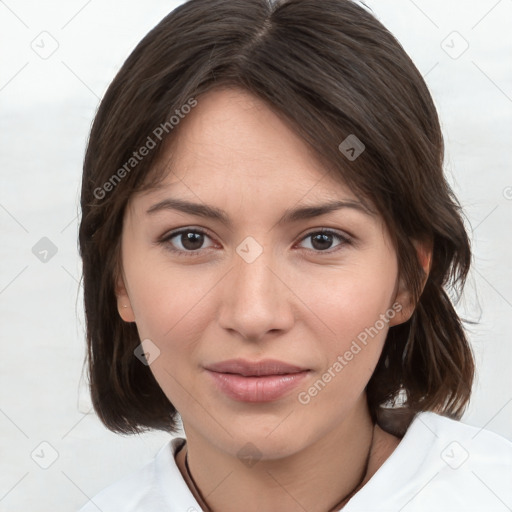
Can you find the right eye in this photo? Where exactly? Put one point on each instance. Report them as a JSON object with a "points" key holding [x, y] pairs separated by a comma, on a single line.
{"points": [[189, 241]]}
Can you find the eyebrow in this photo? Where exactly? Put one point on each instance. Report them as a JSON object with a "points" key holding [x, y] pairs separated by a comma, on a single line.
{"points": [[289, 216]]}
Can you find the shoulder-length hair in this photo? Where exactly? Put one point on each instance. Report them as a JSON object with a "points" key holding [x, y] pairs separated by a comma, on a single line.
{"points": [[331, 70]]}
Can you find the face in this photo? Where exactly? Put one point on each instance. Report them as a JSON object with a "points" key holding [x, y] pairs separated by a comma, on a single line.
{"points": [[316, 292]]}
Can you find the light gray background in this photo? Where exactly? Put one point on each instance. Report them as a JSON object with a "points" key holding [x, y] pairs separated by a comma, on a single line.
{"points": [[47, 105]]}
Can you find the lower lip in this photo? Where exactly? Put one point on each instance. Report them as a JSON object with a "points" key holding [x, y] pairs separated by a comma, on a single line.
{"points": [[256, 389]]}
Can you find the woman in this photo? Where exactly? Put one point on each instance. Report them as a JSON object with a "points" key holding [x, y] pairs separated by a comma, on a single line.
{"points": [[267, 239]]}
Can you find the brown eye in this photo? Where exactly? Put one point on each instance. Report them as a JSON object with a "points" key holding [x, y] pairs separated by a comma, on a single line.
{"points": [[322, 241], [186, 241], [191, 240]]}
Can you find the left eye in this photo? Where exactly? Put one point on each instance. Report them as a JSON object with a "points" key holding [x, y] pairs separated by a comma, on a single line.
{"points": [[321, 239]]}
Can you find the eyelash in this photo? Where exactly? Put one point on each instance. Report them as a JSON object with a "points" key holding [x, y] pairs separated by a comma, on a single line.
{"points": [[165, 241]]}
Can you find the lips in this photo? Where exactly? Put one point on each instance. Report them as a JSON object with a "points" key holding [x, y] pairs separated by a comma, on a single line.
{"points": [[255, 369], [260, 381]]}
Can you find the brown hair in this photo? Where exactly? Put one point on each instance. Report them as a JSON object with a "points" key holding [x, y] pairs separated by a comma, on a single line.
{"points": [[330, 69]]}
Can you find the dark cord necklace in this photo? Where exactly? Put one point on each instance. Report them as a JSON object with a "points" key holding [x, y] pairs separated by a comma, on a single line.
{"points": [[336, 507]]}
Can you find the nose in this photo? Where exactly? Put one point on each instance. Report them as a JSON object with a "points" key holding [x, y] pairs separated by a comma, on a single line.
{"points": [[256, 299]]}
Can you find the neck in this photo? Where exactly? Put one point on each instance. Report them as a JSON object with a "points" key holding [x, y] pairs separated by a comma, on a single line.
{"points": [[316, 478]]}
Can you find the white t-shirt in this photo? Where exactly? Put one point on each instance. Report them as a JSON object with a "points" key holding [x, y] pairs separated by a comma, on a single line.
{"points": [[440, 465]]}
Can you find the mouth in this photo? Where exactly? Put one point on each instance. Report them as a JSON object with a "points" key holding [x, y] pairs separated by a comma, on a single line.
{"points": [[261, 381], [255, 368]]}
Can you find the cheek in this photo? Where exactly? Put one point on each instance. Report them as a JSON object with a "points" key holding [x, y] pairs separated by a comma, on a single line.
{"points": [[349, 301], [356, 307], [173, 311], [169, 302], [357, 312]]}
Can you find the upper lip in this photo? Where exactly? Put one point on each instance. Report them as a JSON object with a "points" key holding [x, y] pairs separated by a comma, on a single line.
{"points": [[254, 368]]}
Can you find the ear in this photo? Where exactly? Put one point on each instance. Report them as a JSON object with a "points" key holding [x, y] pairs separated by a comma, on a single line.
{"points": [[124, 306], [403, 296]]}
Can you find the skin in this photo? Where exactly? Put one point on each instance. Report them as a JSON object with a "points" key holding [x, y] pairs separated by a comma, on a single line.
{"points": [[299, 301]]}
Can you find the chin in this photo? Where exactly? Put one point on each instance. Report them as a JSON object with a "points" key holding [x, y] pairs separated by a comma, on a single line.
{"points": [[267, 437]]}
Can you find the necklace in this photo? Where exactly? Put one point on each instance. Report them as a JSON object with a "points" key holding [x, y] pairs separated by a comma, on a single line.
{"points": [[336, 507]]}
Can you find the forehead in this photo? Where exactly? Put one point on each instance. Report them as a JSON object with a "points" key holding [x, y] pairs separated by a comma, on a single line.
{"points": [[233, 139]]}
